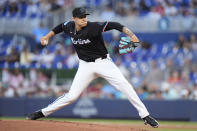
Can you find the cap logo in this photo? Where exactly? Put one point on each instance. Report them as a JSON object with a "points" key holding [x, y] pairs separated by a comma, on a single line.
{"points": [[81, 10]]}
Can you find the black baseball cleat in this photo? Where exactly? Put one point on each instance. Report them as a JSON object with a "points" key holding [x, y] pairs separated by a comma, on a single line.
{"points": [[34, 116], [151, 121]]}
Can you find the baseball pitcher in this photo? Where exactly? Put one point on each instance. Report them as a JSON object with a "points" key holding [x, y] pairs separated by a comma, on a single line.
{"points": [[94, 61]]}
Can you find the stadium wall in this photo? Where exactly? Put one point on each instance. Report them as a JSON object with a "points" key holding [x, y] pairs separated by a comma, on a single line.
{"points": [[102, 108], [151, 37]]}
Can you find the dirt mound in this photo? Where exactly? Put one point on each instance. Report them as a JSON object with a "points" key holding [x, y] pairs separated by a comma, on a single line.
{"points": [[43, 125]]}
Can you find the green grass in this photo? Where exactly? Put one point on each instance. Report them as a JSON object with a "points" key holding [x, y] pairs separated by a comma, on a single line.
{"points": [[122, 121]]}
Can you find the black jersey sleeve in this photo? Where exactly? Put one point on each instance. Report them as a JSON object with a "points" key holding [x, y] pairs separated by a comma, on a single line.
{"points": [[58, 28], [105, 26], [62, 27], [113, 25]]}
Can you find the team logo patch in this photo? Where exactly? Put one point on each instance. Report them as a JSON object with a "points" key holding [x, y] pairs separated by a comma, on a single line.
{"points": [[80, 41]]}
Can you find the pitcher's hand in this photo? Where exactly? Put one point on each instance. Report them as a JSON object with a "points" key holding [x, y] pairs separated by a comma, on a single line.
{"points": [[44, 40]]}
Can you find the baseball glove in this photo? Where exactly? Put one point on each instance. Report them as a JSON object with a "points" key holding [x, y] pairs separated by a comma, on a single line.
{"points": [[127, 46]]}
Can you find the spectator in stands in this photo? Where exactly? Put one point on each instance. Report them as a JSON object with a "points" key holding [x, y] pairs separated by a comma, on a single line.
{"points": [[5, 77], [23, 5], [133, 9], [175, 77], [165, 86], [70, 3], [181, 41], [120, 9], [153, 89], [171, 92], [54, 5], [144, 7], [170, 67], [38, 84], [159, 8], [47, 58], [36, 56], [25, 57], [94, 91], [187, 45], [108, 13], [5, 83], [13, 56], [38, 33], [158, 95], [45, 6], [136, 79], [194, 93], [187, 65], [33, 74], [188, 21], [193, 41], [41, 77], [2, 7], [16, 79], [59, 58], [185, 80], [153, 15], [143, 92], [10, 92], [193, 8], [42, 84], [72, 59], [170, 9], [154, 76], [123, 69], [193, 73], [13, 7], [109, 92], [33, 9], [1, 90], [185, 93]]}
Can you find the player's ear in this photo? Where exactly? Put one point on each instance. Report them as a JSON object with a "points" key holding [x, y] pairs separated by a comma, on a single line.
{"points": [[74, 19]]}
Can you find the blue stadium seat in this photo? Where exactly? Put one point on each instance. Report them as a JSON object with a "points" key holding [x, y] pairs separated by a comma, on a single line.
{"points": [[23, 10]]}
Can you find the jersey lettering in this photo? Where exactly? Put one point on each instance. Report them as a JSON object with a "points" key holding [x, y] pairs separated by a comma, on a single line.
{"points": [[80, 41]]}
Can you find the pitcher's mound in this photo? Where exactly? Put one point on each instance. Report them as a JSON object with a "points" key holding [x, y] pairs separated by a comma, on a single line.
{"points": [[45, 125]]}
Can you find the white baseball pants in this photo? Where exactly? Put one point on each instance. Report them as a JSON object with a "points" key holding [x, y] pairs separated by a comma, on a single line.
{"points": [[88, 71]]}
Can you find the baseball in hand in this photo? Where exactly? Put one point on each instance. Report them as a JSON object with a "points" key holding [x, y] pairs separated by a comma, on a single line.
{"points": [[45, 42]]}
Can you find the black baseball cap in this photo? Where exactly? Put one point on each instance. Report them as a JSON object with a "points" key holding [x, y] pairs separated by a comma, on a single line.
{"points": [[79, 12]]}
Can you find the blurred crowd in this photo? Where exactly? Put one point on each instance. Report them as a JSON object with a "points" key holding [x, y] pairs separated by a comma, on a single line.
{"points": [[16, 84], [152, 8], [108, 9], [157, 71], [31, 8]]}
